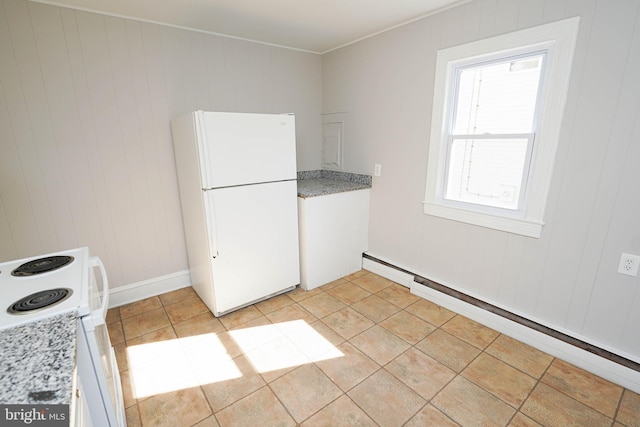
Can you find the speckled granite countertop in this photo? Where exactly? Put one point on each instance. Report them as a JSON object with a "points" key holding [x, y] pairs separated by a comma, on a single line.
{"points": [[325, 182], [38, 361]]}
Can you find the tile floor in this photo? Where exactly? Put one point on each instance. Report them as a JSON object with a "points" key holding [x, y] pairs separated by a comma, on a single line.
{"points": [[358, 351]]}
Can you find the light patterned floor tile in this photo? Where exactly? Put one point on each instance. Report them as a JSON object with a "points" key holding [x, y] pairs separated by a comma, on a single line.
{"points": [[305, 391], [185, 309], [275, 303], [398, 295], [271, 376], [448, 350], [375, 308], [139, 307], [549, 407], [470, 405], [327, 333], [128, 394], [140, 324], [521, 420], [177, 296], [357, 274], [116, 333], [372, 282], [380, 345], [333, 284], [629, 412], [322, 305], [431, 416], [120, 351], [224, 393], [424, 375], [583, 386], [519, 355], [163, 334], [341, 412], [500, 379], [204, 323], [408, 327], [348, 293], [113, 315], [347, 322], [207, 422], [469, 331], [430, 312], [350, 369], [237, 318], [386, 399], [132, 415], [260, 408], [291, 312], [179, 408], [298, 294]]}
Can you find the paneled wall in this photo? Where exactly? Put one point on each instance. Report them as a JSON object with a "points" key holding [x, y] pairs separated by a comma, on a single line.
{"points": [[568, 278], [86, 157]]}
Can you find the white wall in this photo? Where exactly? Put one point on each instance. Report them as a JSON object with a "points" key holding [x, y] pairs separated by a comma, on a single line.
{"points": [[86, 156], [567, 279]]}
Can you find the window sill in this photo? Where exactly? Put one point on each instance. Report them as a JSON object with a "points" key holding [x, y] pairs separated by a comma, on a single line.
{"points": [[524, 227]]}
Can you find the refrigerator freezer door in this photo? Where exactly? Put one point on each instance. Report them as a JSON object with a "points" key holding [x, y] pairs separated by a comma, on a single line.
{"points": [[256, 236], [241, 148]]}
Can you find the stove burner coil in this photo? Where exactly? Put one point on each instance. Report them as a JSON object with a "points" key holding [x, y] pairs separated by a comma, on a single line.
{"points": [[39, 300], [42, 265]]}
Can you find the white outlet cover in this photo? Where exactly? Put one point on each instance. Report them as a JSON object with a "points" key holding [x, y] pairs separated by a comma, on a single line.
{"points": [[629, 264]]}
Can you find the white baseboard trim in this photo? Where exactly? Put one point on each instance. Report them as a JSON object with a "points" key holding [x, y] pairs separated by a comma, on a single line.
{"points": [[390, 273], [148, 288], [593, 363]]}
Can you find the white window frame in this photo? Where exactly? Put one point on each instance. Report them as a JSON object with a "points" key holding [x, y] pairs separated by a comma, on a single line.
{"points": [[558, 39]]}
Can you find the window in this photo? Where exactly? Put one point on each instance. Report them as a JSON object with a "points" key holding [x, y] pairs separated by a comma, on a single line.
{"points": [[497, 110]]}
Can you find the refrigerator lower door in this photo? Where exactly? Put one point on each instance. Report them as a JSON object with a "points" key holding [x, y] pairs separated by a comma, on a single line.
{"points": [[254, 229]]}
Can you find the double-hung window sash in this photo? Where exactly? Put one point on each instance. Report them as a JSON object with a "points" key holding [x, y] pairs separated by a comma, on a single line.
{"points": [[492, 131]]}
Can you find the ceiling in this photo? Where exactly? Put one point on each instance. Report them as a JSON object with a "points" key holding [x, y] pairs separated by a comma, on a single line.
{"points": [[310, 25]]}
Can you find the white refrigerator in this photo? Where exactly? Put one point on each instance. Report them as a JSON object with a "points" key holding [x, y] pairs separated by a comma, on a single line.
{"points": [[237, 180]]}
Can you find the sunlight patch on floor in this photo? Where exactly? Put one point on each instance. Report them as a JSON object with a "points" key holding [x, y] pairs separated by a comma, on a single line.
{"points": [[170, 365], [165, 366], [283, 345]]}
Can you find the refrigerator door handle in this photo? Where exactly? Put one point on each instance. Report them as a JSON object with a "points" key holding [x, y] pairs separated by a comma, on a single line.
{"points": [[211, 219]]}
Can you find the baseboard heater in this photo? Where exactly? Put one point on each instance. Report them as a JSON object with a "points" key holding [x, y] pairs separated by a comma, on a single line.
{"points": [[511, 316]]}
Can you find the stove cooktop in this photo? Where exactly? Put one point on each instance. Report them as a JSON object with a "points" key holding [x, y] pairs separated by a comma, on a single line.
{"points": [[43, 286]]}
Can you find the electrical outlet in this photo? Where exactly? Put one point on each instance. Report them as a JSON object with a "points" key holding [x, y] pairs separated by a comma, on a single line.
{"points": [[629, 264]]}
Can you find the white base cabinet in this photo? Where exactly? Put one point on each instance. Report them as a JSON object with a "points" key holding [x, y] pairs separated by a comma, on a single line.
{"points": [[333, 235]]}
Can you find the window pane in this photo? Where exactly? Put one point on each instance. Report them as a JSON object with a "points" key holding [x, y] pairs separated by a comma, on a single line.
{"points": [[497, 98], [486, 171]]}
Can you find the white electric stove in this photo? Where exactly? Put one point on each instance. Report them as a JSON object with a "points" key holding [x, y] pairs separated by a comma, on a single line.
{"points": [[44, 286]]}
